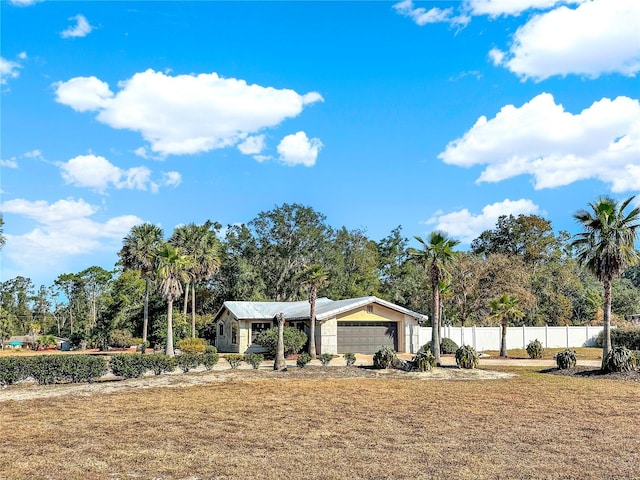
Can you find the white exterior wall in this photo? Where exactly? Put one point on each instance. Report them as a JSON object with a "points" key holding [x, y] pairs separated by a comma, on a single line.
{"points": [[488, 338], [327, 335]]}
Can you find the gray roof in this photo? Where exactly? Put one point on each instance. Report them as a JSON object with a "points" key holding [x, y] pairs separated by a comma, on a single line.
{"points": [[325, 308]]}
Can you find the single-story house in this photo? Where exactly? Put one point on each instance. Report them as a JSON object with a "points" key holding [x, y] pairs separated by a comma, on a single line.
{"points": [[30, 341], [357, 325]]}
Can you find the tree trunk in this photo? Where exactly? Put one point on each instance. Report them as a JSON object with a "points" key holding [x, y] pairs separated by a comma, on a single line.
{"points": [[435, 326], [606, 334], [503, 341], [280, 363], [312, 319], [186, 300], [169, 343], [193, 310], [145, 321]]}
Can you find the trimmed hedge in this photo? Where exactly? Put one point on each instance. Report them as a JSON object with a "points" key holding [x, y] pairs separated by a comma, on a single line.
{"points": [[12, 370], [447, 346], [623, 337], [294, 340], [159, 363], [50, 369], [128, 365]]}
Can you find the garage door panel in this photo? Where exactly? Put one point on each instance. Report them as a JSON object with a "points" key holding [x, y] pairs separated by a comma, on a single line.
{"points": [[366, 337]]}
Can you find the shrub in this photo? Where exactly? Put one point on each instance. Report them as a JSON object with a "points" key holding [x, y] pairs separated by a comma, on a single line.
{"points": [[294, 340], [619, 359], [46, 369], [446, 346], [535, 349], [349, 358], [325, 358], [187, 361], [234, 359], [303, 359], [254, 359], [159, 363], [83, 368], [192, 345], [566, 359], [423, 361], [209, 359], [623, 337], [12, 370], [210, 349], [127, 365], [383, 358], [120, 339], [467, 357]]}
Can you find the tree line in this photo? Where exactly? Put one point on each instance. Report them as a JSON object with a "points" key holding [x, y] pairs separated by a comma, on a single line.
{"points": [[168, 286]]}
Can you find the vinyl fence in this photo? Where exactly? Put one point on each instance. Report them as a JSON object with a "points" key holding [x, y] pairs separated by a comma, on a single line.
{"points": [[488, 338]]}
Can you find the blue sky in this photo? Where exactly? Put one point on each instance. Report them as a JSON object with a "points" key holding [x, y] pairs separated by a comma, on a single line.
{"points": [[428, 115]]}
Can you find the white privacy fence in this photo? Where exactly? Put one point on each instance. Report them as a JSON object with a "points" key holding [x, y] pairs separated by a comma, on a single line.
{"points": [[489, 338]]}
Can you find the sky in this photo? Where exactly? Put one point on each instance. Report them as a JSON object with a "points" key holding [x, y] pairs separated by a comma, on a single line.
{"points": [[430, 115]]}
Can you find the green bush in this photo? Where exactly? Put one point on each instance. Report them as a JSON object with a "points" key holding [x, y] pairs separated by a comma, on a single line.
{"points": [[535, 349], [254, 359], [12, 370], [127, 365], [619, 359], [192, 345], [210, 359], [159, 363], [467, 357], [294, 340], [303, 359], [325, 358], [46, 369], [210, 349], [83, 368], [120, 339], [234, 359], [566, 359], [349, 358], [384, 358], [447, 346], [626, 337], [423, 361], [187, 361]]}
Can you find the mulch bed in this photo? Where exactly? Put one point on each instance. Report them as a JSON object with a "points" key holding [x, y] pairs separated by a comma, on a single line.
{"points": [[632, 376]]}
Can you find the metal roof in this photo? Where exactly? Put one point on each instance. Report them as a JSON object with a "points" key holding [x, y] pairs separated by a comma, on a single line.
{"points": [[325, 308]]}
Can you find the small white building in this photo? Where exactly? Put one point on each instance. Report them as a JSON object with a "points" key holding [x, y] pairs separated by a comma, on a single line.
{"points": [[357, 325]]}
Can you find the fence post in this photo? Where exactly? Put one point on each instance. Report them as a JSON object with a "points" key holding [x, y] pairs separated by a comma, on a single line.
{"points": [[567, 330], [473, 337], [524, 336], [546, 336]]}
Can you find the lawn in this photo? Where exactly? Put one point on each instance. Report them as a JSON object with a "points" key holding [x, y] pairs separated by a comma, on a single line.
{"points": [[532, 426]]}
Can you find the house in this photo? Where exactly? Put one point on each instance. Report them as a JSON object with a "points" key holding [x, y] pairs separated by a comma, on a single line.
{"points": [[31, 341], [357, 325]]}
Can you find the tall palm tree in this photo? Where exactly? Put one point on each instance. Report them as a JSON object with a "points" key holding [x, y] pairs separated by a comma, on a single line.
{"points": [[2, 237], [280, 363], [201, 246], [140, 253], [172, 271], [435, 256], [505, 308], [607, 247], [314, 277]]}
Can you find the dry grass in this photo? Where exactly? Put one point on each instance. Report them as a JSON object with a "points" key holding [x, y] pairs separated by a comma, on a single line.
{"points": [[533, 426]]}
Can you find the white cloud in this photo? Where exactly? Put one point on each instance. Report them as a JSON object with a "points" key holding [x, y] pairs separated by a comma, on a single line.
{"points": [[421, 16], [82, 28], [252, 145], [467, 226], [495, 8], [8, 69], [83, 93], [22, 55], [24, 3], [11, 163], [97, 173], [596, 38], [556, 147], [64, 229], [185, 114], [298, 149], [33, 154], [171, 179]]}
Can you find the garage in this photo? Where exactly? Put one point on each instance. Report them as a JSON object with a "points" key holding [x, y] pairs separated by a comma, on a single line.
{"points": [[366, 337]]}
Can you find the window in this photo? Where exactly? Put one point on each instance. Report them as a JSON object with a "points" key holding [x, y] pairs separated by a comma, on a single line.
{"points": [[221, 329], [256, 328], [369, 308], [234, 333]]}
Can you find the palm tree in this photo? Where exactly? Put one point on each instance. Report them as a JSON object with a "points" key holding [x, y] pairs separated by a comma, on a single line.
{"points": [[2, 237], [280, 362], [201, 245], [172, 270], [314, 277], [140, 252], [505, 308], [607, 247], [436, 255]]}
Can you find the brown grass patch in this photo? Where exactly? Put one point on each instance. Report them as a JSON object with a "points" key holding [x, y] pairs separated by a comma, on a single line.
{"points": [[532, 426]]}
